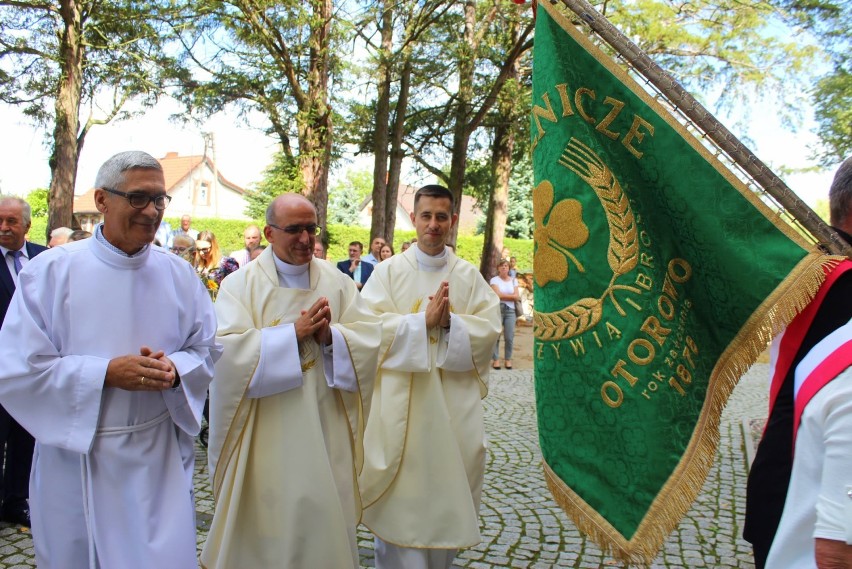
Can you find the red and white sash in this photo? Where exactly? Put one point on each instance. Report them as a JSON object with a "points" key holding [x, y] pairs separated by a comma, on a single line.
{"points": [[824, 362], [786, 345]]}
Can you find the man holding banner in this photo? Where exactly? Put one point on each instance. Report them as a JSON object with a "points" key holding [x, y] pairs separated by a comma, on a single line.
{"points": [[798, 499]]}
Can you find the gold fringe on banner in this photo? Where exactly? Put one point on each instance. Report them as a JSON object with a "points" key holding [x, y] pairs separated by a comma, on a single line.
{"points": [[683, 486]]}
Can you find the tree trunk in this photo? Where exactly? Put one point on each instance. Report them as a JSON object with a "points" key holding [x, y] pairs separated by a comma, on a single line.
{"points": [[379, 224], [461, 129], [315, 125], [65, 154], [396, 152], [501, 169], [498, 205]]}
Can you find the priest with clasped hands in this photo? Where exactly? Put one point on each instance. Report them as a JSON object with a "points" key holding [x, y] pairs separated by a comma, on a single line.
{"points": [[288, 404], [425, 439], [108, 348]]}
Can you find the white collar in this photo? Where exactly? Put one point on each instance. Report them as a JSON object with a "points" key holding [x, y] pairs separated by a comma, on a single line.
{"points": [[431, 263], [288, 269]]}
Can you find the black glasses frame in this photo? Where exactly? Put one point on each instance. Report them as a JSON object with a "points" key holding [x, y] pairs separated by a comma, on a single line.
{"points": [[161, 201], [312, 229]]}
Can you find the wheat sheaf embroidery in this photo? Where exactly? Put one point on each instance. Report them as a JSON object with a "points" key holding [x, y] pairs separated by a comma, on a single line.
{"points": [[622, 252]]}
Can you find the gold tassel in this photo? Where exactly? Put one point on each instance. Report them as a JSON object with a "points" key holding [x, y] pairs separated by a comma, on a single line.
{"points": [[678, 493]]}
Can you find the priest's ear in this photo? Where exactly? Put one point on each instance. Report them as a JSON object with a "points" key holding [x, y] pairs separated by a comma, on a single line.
{"points": [[100, 200]]}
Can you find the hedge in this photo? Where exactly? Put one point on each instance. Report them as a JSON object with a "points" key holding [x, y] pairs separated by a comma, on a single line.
{"points": [[229, 233]]}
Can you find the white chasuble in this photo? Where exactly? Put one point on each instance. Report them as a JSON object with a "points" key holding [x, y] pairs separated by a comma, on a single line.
{"points": [[425, 441], [111, 483], [284, 466]]}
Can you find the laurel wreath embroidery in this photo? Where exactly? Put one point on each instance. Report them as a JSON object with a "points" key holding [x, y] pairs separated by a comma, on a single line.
{"points": [[622, 253]]}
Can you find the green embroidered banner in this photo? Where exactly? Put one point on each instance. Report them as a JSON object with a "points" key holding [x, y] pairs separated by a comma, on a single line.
{"points": [[659, 279]]}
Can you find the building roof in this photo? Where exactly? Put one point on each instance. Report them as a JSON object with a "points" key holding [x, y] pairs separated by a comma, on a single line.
{"points": [[175, 169], [85, 203]]}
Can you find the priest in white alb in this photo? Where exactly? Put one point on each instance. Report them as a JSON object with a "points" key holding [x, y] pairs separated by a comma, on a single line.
{"points": [[288, 404], [425, 440], [108, 348]]}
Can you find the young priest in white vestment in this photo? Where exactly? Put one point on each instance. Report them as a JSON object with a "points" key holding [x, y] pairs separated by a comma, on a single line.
{"points": [[425, 439], [288, 405], [108, 348]]}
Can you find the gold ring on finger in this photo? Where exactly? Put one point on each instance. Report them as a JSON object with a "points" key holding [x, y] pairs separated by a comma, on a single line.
{"points": [[142, 381]]}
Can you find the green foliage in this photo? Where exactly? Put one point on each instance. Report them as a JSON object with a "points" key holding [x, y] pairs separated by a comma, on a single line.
{"points": [[282, 176], [520, 223], [726, 46], [829, 21], [271, 58], [228, 232], [468, 247], [833, 112], [38, 202], [821, 208], [346, 196], [38, 230], [123, 55]]}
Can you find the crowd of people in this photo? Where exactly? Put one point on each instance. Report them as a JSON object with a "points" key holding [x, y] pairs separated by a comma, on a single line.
{"points": [[331, 404], [339, 393]]}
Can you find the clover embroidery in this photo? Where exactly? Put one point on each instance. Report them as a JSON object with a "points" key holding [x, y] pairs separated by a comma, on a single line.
{"points": [[563, 231]]}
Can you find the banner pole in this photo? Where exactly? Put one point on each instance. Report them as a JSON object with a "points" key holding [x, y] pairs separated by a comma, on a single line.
{"points": [[711, 127]]}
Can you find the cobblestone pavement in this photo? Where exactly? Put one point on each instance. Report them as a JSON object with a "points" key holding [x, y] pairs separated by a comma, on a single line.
{"points": [[521, 524]]}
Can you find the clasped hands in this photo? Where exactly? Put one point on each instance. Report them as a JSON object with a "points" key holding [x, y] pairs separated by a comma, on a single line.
{"points": [[149, 371], [438, 309], [316, 322]]}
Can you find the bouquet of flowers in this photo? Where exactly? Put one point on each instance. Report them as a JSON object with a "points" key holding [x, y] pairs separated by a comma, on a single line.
{"points": [[211, 284], [212, 278]]}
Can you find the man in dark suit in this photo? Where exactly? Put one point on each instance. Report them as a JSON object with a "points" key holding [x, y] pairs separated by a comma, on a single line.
{"points": [[356, 269], [16, 445]]}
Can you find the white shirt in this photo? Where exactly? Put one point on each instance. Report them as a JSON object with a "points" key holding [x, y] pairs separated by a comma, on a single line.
{"points": [[10, 261], [505, 287], [819, 498]]}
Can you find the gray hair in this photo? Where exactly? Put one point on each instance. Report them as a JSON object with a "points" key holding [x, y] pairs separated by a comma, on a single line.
{"points": [[26, 211], [79, 235], [62, 232], [840, 194], [111, 173]]}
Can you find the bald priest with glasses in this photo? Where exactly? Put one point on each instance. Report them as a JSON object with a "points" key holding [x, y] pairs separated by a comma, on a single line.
{"points": [[108, 349], [288, 404]]}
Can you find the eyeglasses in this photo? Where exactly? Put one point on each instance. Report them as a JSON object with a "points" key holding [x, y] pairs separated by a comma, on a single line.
{"points": [[312, 229], [203, 249], [181, 249], [141, 201]]}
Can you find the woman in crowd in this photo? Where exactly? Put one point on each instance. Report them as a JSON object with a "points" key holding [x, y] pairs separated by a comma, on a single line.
{"points": [[386, 252], [507, 291], [209, 261]]}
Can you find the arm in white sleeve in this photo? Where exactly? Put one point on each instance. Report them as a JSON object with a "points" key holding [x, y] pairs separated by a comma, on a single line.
{"points": [[454, 353], [279, 368], [834, 504], [409, 350], [337, 364]]}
